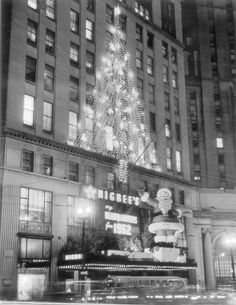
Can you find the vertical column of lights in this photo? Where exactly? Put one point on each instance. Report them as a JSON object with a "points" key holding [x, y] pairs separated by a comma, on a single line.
{"points": [[119, 129]]}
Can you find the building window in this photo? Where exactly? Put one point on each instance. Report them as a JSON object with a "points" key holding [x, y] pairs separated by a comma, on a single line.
{"points": [[168, 17], [109, 14], [33, 4], [28, 115], [31, 248], [168, 158], [89, 94], [108, 39], [89, 62], [47, 163], [30, 69], [140, 87], [139, 32], [73, 125], [50, 9], [176, 105], [47, 116], [74, 88], [178, 161], [173, 55], [141, 10], [177, 133], [164, 49], [110, 181], [28, 161], [32, 33], [50, 42], [122, 22], [151, 94], [139, 59], [167, 128], [74, 21], [150, 39], [89, 33], [150, 65], [174, 80], [181, 197], [49, 78], [35, 211], [74, 54], [73, 171], [90, 175], [90, 5], [165, 74], [219, 143], [167, 101], [153, 121]]}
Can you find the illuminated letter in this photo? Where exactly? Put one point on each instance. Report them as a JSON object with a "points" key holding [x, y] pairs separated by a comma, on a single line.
{"points": [[112, 196], [100, 194], [106, 195], [118, 197], [136, 201], [124, 199], [130, 199]]}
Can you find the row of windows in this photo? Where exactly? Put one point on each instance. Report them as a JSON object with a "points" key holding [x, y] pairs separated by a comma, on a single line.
{"points": [[32, 32], [28, 160], [178, 160], [150, 69], [168, 130]]}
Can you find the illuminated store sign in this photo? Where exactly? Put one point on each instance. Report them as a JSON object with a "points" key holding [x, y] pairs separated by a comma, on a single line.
{"points": [[119, 223], [117, 197]]}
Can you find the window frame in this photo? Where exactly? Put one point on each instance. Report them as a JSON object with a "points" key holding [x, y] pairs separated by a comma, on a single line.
{"points": [[152, 116], [30, 69], [90, 59], [139, 33], [74, 54], [109, 14], [73, 125], [33, 4], [28, 110], [73, 171], [47, 119], [150, 65], [27, 160], [47, 164], [48, 77], [74, 22], [139, 59], [90, 174], [89, 32], [50, 9], [32, 30], [165, 71], [74, 88], [50, 42]]}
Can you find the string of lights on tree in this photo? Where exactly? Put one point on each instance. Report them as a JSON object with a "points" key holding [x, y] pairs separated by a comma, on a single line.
{"points": [[114, 123]]}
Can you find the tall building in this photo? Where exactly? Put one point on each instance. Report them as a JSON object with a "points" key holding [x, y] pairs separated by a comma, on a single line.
{"points": [[209, 38], [52, 52]]}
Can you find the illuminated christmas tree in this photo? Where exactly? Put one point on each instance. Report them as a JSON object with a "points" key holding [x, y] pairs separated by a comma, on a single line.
{"points": [[114, 123]]}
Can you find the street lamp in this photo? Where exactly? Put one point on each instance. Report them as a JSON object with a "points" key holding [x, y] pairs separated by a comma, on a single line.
{"points": [[84, 213], [231, 242]]}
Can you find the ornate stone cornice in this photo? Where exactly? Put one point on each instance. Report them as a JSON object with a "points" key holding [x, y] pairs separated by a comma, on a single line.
{"points": [[64, 147]]}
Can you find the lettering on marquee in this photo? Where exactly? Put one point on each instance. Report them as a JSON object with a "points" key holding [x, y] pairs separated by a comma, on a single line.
{"points": [[118, 197]]}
